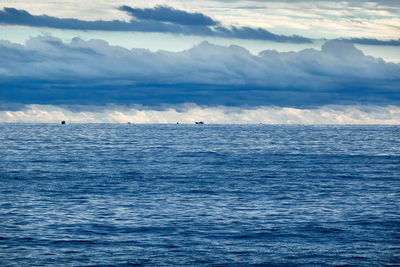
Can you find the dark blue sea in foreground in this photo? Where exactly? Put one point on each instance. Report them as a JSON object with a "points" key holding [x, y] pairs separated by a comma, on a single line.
{"points": [[215, 195]]}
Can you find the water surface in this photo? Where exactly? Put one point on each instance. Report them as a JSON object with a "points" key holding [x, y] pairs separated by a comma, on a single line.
{"points": [[98, 194]]}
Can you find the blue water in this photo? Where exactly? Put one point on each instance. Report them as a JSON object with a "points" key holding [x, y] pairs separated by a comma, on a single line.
{"points": [[230, 195]]}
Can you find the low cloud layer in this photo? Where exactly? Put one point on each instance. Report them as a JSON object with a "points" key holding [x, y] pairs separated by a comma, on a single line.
{"points": [[210, 115], [47, 70], [158, 19]]}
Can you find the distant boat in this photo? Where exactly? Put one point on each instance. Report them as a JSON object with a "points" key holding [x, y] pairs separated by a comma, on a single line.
{"points": [[199, 122], [62, 122], [129, 122]]}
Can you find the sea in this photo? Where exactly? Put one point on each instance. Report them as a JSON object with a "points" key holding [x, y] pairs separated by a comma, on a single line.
{"points": [[199, 195]]}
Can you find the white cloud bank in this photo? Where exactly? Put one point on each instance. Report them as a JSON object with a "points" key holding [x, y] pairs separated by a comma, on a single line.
{"points": [[210, 115]]}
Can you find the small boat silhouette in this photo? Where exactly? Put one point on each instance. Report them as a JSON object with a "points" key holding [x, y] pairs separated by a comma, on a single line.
{"points": [[62, 122], [199, 122]]}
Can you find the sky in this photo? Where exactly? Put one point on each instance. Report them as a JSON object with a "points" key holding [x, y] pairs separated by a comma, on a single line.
{"points": [[225, 61]]}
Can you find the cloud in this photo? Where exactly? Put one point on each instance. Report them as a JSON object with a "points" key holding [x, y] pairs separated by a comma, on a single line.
{"points": [[150, 20], [394, 3], [210, 115], [258, 34], [165, 20], [14, 16], [168, 14], [314, 19], [47, 70], [372, 41], [319, 19]]}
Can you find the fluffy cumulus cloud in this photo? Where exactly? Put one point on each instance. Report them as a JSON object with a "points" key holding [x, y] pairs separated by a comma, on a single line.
{"points": [[46, 70], [210, 115]]}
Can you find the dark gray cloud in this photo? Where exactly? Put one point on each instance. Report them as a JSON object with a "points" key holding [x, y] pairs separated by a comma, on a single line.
{"points": [[169, 14], [372, 41], [48, 71], [12, 16], [258, 34], [167, 20]]}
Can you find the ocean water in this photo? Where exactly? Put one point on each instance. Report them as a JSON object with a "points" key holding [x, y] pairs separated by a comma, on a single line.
{"points": [[208, 195]]}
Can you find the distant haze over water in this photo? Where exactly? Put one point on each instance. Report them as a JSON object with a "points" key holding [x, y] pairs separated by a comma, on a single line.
{"points": [[190, 113]]}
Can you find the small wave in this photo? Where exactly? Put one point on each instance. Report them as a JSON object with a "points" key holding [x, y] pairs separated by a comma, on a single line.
{"points": [[74, 242]]}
